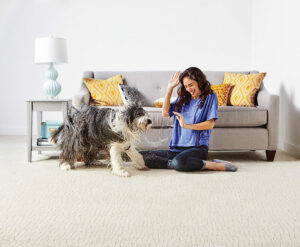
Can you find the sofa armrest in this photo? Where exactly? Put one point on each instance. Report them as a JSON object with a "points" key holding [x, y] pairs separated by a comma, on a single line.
{"points": [[271, 102], [81, 98]]}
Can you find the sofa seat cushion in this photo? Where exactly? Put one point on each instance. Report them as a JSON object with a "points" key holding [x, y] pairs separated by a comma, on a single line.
{"points": [[229, 116], [241, 116]]}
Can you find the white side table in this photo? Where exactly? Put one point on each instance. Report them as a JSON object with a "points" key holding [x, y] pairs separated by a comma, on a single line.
{"points": [[40, 105]]}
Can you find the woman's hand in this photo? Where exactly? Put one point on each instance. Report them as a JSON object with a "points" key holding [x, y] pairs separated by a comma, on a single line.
{"points": [[174, 81], [180, 119]]}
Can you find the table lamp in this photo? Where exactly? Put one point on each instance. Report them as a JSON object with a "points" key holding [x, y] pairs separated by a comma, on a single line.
{"points": [[50, 50]]}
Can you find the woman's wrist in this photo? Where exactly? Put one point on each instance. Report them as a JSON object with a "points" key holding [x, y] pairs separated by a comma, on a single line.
{"points": [[185, 126], [170, 88]]}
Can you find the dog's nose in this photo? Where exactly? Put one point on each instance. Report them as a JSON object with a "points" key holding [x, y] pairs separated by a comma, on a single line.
{"points": [[149, 121]]}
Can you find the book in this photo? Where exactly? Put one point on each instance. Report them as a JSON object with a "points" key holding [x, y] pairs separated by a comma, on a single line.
{"points": [[43, 142]]}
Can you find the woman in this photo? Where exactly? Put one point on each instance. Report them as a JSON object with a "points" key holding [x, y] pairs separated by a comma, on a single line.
{"points": [[195, 111]]}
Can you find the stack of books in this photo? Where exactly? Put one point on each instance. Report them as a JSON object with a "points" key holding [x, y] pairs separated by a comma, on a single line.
{"points": [[44, 142]]}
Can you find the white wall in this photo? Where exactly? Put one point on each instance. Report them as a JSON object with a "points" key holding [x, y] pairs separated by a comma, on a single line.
{"points": [[116, 35], [276, 49]]}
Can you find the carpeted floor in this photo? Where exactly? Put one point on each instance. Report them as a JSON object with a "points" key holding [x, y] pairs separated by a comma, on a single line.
{"points": [[40, 205]]}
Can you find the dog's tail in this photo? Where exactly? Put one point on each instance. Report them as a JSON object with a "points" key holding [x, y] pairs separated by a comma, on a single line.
{"points": [[56, 134]]}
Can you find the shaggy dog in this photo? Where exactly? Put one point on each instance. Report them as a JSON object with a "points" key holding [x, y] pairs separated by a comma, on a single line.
{"points": [[90, 130]]}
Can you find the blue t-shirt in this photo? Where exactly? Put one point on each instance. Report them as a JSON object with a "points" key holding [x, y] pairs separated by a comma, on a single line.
{"points": [[193, 114]]}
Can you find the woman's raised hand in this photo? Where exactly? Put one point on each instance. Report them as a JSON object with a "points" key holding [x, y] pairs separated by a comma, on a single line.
{"points": [[180, 119], [174, 81]]}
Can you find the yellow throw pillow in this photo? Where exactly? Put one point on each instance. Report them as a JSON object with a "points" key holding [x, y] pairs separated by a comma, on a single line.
{"points": [[105, 92], [222, 92], [159, 102], [245, 87]]}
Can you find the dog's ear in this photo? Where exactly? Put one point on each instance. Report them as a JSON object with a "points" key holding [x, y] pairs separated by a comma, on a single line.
{"points": [[129, 112], [130, 95], [122, 94]]}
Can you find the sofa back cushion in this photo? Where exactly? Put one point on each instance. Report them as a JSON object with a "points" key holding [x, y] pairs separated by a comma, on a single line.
{"points": [[153, 84]]}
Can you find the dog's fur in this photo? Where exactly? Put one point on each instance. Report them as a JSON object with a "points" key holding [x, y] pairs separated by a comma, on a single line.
{"points": [[88, 131]]}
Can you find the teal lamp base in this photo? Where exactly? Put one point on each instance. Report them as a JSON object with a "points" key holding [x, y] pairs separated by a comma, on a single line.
{"points": [[51, 87]]}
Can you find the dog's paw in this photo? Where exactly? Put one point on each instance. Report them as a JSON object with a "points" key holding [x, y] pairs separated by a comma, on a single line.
{"points": [[121, 173], [65, 167], [143, 168], [140, 165]]}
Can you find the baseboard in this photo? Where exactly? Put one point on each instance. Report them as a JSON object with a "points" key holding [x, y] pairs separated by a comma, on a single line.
{"points": [[292, 149]]}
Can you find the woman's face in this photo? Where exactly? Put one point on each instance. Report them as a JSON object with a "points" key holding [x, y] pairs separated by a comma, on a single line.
{"points": [[192, 87]]}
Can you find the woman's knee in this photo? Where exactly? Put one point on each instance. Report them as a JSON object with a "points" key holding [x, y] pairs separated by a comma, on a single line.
{"points": [[178, 164]]}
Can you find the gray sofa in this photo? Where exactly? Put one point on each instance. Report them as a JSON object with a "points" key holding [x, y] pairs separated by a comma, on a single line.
{"points": [[237, 129]]}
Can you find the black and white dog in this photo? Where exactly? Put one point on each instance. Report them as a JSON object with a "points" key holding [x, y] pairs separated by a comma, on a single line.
{"points": [[86, 132]]}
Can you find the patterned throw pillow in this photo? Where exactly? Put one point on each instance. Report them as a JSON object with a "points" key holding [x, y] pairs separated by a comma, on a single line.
{"points": [[159, 102], [222, 92], [245, 87], [105, 92]]}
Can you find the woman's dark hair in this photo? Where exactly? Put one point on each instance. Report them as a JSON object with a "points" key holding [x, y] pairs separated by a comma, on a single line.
{"points": [[203, 84]]}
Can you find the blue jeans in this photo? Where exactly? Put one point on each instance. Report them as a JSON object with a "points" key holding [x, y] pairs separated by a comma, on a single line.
{"points": [[185, 159]]}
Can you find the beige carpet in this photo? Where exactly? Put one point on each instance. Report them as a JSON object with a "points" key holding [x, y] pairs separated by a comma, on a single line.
{"points": [[40, 205]]}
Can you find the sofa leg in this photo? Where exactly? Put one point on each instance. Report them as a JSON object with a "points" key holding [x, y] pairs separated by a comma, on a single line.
{"points": [[270, 155]]}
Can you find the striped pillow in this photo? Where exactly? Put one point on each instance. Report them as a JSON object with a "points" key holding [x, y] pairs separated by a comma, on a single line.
{"points": [[105, 92]]}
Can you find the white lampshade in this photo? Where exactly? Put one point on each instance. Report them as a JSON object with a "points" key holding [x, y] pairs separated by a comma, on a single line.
{"points": [[50, 50]]}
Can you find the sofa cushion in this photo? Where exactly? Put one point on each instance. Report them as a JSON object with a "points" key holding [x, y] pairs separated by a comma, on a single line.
{"points": [[229, 116], [241, 116]]}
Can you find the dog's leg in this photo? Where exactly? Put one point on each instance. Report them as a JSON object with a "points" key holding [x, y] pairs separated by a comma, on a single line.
{"points": [[67, 160], [116, 161], [136, 158], [90, 158]]}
